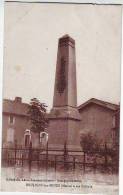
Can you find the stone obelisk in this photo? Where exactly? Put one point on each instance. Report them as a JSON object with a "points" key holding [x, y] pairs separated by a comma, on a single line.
{"points": [[64, 117]]}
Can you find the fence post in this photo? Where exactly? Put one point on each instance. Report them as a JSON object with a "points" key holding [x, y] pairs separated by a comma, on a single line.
{"points": [[95, 164], [30, 155], [38, 157], [22, 160], [84, 161], [65, 155], [105, 155], [74, 163], [55, 163], [47, 156], [8, 158], [15, 151]]}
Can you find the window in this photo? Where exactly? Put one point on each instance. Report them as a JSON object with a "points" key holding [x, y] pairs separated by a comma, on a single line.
{"points": [[43, 136], [43, 140], [11, 119], [113, 135], [114, 122], [27, 138], [10, 135]]}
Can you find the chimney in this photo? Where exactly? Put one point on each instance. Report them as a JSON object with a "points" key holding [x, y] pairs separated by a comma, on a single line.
{"points": [[18, 99]]}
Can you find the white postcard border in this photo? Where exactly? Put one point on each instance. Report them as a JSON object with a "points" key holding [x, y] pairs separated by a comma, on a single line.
{"points": [[1, 79]]}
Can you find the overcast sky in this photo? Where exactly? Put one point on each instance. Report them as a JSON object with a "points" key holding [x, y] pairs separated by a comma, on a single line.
{"points": [[31, 39]]}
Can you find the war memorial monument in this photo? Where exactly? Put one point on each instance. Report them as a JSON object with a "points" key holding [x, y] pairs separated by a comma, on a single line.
{"points": [[64, 117]]}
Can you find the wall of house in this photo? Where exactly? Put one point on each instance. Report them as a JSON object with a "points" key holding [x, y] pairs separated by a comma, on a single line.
{"points": [[19, 126], [97, 119]]}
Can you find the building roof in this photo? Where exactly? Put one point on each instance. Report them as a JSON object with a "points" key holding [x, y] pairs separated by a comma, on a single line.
{"points": [[104, 104], [15, 107]]}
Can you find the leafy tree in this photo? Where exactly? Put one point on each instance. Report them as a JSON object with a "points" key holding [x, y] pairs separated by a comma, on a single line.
{"points": [[37, 115], [114, 154], [89, 142]]}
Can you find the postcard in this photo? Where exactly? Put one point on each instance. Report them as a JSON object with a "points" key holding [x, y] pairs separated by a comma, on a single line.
{"points": [[61, 97]]}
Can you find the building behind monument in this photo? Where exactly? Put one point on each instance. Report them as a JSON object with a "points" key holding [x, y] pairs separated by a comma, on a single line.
{"points": [[97, 117]]}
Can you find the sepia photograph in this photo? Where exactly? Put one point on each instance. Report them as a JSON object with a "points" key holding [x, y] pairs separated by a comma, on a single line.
{"points": [[61, 98]]}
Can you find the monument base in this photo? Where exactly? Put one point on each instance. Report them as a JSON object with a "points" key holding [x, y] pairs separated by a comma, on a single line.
{"points": [[64, 128]]}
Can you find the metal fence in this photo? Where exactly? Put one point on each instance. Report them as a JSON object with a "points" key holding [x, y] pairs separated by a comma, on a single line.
{"points": [[19, 156]]}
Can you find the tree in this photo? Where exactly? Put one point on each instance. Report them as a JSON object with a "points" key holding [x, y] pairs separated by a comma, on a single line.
{"points": [[89, 142], [37, 115]]}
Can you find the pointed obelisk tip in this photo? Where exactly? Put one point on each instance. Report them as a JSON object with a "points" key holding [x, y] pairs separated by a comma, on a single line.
{"points": [[67, 38]]}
